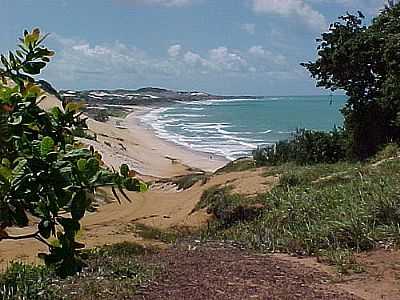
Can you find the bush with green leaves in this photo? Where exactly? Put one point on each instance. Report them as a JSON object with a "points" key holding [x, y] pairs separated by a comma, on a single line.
{"points": [[364, 61], [305, 147], [44, 171]]}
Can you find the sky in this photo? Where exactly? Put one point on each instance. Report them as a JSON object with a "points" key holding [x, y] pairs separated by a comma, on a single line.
{"points": [[230, 47]]}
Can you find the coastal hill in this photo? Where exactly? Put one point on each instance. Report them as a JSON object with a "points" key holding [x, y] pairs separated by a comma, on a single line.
{"points": [[142, 96]]}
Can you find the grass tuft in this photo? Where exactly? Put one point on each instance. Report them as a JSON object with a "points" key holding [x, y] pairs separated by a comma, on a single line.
{"points": [[112, 272], [343, 206]]}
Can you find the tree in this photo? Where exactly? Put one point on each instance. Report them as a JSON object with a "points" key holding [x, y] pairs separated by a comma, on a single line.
{"points": [[364, 61], [43, 170]]}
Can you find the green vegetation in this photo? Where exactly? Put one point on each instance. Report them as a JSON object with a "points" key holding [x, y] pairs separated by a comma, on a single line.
{"points": [[326, 210], [103, 114], [239, 165], [152, 233], [306, 147], [26, 282], [44, 171], [343, 259], [364, 61], [112, 271], [228, 208]]}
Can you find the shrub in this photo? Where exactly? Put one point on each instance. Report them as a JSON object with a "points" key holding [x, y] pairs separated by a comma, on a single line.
{"points": [[305, 147], [388, 151], [44, 172], [229, 208], [364, 61]]}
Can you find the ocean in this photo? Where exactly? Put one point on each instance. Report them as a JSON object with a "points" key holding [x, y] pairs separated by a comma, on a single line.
{"points": [[233, 128]]}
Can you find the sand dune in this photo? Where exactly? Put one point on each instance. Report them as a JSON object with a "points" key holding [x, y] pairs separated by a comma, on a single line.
{"points": [[152, 158]]}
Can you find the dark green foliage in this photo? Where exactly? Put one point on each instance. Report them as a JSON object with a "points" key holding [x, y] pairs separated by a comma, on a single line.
{"points": [[43, 170], [306, 147], [365, 62]]}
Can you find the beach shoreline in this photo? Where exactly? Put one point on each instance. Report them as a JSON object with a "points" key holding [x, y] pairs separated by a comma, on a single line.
{"points": [[129, 141], [133, 122]]}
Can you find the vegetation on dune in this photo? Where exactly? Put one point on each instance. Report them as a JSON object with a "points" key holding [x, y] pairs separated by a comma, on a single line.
{"points": [[364, 61], [44, 172], [327, 210], [327, 202], [305, 147], [112, 271]]}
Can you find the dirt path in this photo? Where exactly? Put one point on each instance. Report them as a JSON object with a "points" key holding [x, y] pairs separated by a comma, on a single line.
{"points": [[222, 272]]}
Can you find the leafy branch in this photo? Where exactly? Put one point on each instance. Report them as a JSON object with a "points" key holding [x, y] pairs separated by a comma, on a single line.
{"points": [[44, 170]]}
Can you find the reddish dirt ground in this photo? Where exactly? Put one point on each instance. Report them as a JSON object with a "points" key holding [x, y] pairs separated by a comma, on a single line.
{"points": [[223, 272]]}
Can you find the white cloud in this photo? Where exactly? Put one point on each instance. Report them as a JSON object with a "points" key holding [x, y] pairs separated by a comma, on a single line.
{"points": [[222, 58], [166, 3], [257, 50], [367, 6], [79, 61], [192, 58], [298, 8], [174, 50], [267, 58], [249, 28]]}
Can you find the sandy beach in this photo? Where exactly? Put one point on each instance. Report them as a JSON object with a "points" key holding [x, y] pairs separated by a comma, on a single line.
{"points": [[164, 206], [128, 141]]}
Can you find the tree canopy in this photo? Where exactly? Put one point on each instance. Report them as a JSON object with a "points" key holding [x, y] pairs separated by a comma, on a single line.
{"points": [[364, 61]]}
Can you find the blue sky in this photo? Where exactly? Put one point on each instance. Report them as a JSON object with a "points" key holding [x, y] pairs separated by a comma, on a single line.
{"points": [[219, 46]]}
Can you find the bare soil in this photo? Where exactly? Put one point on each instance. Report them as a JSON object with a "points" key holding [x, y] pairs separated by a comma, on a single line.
{"points": [[218, 271]]}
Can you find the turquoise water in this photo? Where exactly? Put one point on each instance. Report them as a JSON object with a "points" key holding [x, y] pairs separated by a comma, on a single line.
{"points": [[233, 128]]}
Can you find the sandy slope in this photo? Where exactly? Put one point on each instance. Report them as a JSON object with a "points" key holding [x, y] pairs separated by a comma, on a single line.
{"points": [[152, 158], [160, 208]]}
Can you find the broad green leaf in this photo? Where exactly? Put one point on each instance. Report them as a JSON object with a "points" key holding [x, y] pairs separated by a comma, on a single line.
{"points": [[81, 164], [46, 146]]}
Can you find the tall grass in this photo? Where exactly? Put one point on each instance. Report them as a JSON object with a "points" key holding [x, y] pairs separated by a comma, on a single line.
{"points": [[356, 208]]}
